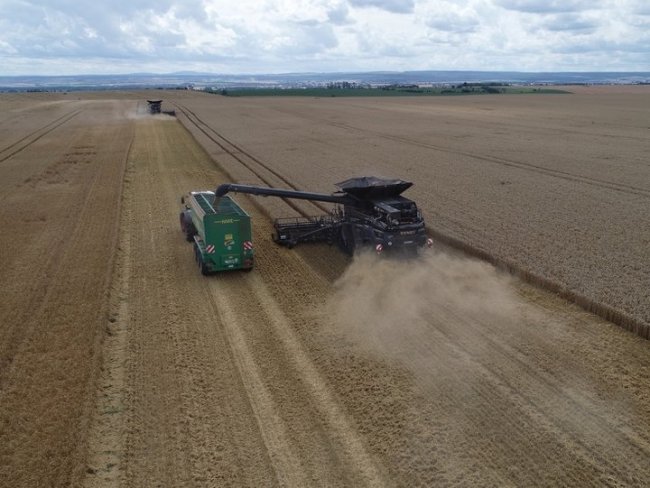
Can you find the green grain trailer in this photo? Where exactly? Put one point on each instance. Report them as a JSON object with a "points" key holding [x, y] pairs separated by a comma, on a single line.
{"points": [[220, 230]]}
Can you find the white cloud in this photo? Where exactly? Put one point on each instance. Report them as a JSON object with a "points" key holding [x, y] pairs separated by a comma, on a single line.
{"points": [[548, 6], [59, 37], [576, 24], [451, 21], [395, 6], [338, 14]]}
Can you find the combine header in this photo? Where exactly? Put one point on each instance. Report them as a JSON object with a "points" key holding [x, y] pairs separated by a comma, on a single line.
{"points": [[369, 212]]}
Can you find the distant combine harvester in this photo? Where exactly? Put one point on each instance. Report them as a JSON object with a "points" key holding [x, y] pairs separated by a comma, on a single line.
{"points": [[155, 107]]}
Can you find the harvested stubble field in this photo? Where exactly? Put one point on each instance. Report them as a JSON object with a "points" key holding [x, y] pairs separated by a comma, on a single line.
{"points": [[122, 365]]}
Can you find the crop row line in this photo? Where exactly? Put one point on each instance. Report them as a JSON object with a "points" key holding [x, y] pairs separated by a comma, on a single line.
{"points": [[34, 136], [234, 150], [620, 187]]}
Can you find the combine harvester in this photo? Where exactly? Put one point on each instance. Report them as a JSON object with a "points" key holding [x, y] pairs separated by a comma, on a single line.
{"points": [[370, 212], [155, 108]]}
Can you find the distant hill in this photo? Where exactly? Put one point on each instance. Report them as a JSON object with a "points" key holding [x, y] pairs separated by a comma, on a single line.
{"points": [[297, 80]]}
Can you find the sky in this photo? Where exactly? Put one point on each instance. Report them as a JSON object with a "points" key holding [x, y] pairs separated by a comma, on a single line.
{"points": [[68, 37]]}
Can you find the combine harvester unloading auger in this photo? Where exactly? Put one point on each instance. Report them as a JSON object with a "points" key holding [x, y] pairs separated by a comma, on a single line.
{"points": [[370, 212]]}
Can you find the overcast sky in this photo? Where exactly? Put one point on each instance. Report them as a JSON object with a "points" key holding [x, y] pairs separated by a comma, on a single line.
{"points": [[279, 36]]}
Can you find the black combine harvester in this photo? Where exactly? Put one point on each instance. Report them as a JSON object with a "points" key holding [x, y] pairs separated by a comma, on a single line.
{"points": [[155, 107], [370, 212]]}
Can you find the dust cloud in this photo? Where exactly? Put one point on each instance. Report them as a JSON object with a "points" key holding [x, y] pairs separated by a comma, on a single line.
{"points": [[404, 310], [143, 114], [491, 372]]}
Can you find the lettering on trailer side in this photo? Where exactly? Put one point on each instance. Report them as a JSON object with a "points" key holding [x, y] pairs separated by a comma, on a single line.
{"points": [[226, 221]]}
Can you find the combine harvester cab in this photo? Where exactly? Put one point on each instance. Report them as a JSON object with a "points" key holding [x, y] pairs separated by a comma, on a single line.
{"points": [[220, 231]]}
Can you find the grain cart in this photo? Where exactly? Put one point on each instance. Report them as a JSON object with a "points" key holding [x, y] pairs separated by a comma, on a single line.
{"points": [[369, 212], [220, 230]]}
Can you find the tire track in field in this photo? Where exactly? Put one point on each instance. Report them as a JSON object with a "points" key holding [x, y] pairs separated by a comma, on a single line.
{"points": [[507, 420], [304, 438], [324, 400], [250, 162], [13, 339], [105, 448], [285, 458], [31, 138], [559, 406], [51, 352], [187, 420]]}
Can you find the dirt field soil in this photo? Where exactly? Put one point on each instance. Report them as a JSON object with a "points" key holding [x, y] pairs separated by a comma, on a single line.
{"points": [[121, 365]]}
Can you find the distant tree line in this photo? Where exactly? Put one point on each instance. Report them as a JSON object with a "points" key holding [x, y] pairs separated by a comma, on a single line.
{"points": [[345, 85]]}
